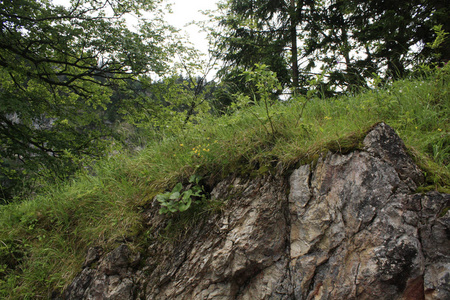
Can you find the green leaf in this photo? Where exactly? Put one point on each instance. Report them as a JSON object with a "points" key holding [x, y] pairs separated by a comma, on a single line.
{"points": [[177, 188], [174, 196], [185, 206], [187, 194], [195, 178], [162, 198]]}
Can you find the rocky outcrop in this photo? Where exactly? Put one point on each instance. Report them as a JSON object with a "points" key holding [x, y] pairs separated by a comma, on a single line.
{"points": [[346, 227]]}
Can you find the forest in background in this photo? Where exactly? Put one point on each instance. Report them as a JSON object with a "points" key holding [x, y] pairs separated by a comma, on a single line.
{"points": [[78, 85]]}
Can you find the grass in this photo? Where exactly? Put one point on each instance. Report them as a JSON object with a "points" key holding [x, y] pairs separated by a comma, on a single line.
{"points": [[43, 241]]}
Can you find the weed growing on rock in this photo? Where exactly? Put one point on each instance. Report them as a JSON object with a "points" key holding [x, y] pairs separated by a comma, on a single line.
{"points": [[178, 200]]}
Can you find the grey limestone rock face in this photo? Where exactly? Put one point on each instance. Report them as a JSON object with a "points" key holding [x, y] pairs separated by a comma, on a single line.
{"points": [[348, 227]]}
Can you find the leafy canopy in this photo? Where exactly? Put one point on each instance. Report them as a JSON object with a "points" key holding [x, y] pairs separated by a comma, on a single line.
{"points": [[58, 69]]}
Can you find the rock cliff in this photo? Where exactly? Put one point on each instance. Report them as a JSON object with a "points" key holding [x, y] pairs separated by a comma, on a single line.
{"points": [[349, 226]]}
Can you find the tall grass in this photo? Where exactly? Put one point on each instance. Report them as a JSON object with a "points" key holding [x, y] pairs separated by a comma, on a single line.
{"points": [[43, 240]]}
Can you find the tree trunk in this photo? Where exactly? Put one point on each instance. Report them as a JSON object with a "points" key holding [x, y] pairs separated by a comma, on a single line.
{"points": [[294, 58]]}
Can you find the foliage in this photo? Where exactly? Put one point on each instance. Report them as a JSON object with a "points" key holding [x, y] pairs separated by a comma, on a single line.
{"points": [[253, 32], [181, 97], [354, 41], [178, 200], [59, 67], [441, 39], [266, 84], [43, 241]]}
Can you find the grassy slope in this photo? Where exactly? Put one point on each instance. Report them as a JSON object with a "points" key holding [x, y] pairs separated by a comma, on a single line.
{"points": [[43, 241]]}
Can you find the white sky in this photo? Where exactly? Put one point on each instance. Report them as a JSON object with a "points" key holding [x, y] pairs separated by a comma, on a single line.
{"points": [[186, 11]]}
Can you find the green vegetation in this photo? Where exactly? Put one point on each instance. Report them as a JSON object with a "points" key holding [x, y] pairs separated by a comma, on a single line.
{"points": [[178, 200], [61, 69], [78, 82], [43, 240], [352, 40], [97, 124]]}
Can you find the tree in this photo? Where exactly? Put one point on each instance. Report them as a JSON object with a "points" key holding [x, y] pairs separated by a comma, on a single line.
{"points": [[355, 40], [397, 27], [58, 67], [329, 44], [351, 41], [258, 31]]}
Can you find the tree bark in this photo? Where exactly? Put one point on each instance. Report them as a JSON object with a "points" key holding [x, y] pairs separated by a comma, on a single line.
{"points": [[294, 57]]}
